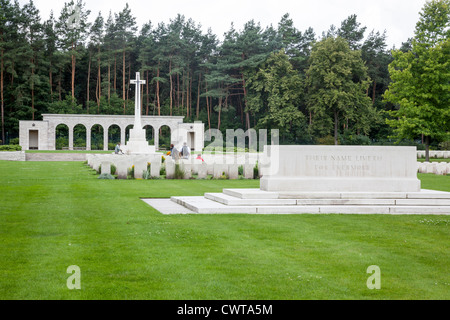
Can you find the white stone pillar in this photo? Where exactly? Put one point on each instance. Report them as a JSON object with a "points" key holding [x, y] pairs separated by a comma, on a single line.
{"points": [[70, 137], [156, 138], [122, 135], [105, 139], [88, 137]]}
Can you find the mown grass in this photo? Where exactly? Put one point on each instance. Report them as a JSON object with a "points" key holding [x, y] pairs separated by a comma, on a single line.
{"points": [[57, 214]]}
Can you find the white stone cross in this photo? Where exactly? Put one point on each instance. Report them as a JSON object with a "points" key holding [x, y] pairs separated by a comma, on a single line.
{"points": [[137, 101]]}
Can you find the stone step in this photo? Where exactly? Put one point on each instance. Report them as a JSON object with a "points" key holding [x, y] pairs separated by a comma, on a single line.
{"points": [[234, 201], [260, 194], [230, 200], [202, 205]]}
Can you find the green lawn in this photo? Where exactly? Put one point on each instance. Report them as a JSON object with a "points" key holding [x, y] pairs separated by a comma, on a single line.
{"points": [[53, 215], [434, 160]]}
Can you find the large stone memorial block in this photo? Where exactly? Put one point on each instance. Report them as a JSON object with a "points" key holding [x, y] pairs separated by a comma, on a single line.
{"points": [[340, 168]]}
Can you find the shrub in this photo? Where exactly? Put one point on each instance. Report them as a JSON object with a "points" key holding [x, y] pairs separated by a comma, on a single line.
{"points": [[106, 176], [10, 148], [444, 145], [14, 141], [256, 171], [327, 141], [131, 173], [179, 172]]}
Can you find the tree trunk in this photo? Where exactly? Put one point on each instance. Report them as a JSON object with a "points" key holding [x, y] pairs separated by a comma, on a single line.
{"points": [[59, 85], [247, 116], [198, 95], [182, 94], [115, 72], [336, 127], [32, 91], [1, 95], [96, 96], [73, 71], [373, 92], [427, 149], [50, 75], [220, 111], [88, 80], [129, 77], [148, 98], [109, 81], [208, 108], [123, 82], [171, 86], [99, 77], [178, 92], [157, 91]]}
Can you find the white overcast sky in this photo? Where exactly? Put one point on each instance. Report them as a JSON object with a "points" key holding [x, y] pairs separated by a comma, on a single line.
{"points": [[397, 17]]}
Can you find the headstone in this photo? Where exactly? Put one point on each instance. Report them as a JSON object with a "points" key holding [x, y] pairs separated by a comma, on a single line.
{"points": [[122, 169], [220, 170], [106, 167], [441, 168], [170, 168], [210, 168], [140, 165], [155, 169], [233, 171], [203, 171], [187, 167], [248, 170]]}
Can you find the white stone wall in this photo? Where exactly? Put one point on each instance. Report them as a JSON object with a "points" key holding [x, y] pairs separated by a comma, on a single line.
{"points": [[12, 155]]}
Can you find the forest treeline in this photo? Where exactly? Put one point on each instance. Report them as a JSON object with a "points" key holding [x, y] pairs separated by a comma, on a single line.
{"points": [[258, 77]]}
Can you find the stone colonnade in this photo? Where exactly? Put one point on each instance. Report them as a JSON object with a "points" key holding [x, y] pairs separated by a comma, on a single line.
{"points": [[45, 131]]}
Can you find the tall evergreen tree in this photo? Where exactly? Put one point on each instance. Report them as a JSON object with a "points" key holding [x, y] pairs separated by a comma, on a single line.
{"points": [[72, 28], [125, 24]]}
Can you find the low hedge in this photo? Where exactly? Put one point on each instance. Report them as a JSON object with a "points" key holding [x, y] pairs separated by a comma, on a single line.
{"points": [[10, 148]]}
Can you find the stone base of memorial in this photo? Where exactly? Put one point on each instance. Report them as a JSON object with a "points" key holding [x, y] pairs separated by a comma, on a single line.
{"points": [[324, 180]]}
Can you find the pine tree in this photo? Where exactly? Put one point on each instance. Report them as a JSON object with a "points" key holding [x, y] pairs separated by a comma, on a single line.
{"points": [[72, 29]]}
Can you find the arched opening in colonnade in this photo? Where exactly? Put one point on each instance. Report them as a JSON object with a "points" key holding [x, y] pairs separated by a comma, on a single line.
{"points": [[97, 137], [79, 137], [113, 136], [61, 137], [164, 138], [149, 134]]}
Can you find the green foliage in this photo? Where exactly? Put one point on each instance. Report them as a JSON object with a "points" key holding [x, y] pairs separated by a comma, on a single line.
{"points": [[179, 172], [254, 78], [276, 93], [337, 81], [10, 148], [106, 176], [420, 86]]}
